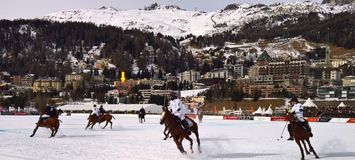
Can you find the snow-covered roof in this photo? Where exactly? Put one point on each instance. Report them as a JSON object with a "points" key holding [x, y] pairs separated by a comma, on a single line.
{"points": [[309, 103], [191, 93], [150, 108]]}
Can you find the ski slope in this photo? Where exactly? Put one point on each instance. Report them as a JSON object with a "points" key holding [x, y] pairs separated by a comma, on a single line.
{"points": [[220, 139]]}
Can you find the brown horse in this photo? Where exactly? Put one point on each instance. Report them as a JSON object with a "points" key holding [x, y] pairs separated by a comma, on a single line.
{"points": [[177, 132], [93, 120], [300, 134], [52, 123]]}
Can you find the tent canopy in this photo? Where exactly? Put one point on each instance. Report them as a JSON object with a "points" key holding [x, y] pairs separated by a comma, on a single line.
{"points": [[268, 111], [309, 103], [341, 105], [258, 111]]}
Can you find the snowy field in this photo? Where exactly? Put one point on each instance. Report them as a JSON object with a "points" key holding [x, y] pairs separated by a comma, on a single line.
{"points": [[220, 139]]}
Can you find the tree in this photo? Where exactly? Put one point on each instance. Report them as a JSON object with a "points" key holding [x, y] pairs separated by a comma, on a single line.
{"points": [[256, 94], [237, 94]]}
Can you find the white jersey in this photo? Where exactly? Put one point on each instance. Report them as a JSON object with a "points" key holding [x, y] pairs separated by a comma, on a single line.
{"points": [[95, 111], [298, 110], [177, 108]]}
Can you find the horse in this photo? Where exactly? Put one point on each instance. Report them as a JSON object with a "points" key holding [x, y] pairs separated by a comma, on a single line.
{"points": [[52, 123], [300, 134], [105, 117], [177, 132], [141, 117]]}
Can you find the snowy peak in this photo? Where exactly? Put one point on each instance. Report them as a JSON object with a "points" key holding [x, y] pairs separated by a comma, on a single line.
{"points": [[156, 6], [108, 8], [173, 21], [339, 2]]}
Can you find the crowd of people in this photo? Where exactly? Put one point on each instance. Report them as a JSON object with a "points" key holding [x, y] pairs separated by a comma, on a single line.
{"points": [[334, 112]]}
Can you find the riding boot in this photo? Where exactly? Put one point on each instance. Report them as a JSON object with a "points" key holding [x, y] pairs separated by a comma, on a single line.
{"points": [[290, 132], [306, 125], [186, 126]]}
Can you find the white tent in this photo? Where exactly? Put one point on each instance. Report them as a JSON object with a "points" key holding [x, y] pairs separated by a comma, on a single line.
{"points": [[262, 111], [269, 111], [341, 105], [258, 111], [309, 103]]}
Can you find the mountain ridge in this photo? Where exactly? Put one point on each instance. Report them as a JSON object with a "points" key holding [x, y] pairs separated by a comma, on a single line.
{"points": [[173, 21]]}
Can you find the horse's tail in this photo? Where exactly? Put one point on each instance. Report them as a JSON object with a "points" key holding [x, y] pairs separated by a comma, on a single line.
{"points": [[113, 117], [60, 121]]}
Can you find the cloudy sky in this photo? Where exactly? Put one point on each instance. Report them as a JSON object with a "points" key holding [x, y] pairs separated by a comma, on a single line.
{"points": [[13, 9]]}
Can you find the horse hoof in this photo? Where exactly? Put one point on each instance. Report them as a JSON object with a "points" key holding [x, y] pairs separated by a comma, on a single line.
{"points": [[317, 157], [308, 153], [31, 135]]}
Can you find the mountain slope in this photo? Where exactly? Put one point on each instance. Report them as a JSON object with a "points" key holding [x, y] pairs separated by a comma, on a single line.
{"points": [[175, 22]]}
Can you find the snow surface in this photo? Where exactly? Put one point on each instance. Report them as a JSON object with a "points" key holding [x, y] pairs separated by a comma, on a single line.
{"points": [[220, 139]]}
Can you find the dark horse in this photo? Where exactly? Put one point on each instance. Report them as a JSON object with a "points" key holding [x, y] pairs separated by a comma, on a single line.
{"points": [[177, 132], [141, 117], [52, 123], [93, 120], [300, 134]]}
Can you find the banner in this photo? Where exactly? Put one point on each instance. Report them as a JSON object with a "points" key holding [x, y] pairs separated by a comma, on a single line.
{"points": [[351, 120], [278, 119], [312, 119], [324, 119]]}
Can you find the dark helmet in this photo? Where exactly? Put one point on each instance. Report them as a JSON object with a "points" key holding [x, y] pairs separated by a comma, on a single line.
{"points": [[101, 106], [293, 99], [173, 95], [94, 105]]}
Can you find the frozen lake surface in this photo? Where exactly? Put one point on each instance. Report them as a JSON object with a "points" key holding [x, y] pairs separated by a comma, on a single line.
{"points": [[220, 139]]}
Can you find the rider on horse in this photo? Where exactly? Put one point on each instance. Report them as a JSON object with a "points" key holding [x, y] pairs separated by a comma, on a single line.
{"points": [[50, 111], [102, 110], [297, 110], [179, 110], [95, 112]]}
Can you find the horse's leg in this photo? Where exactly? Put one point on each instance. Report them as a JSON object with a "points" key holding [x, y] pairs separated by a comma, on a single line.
{"points": [[191, 143], [178, 144], [311, 148], [105, 125], [299, 145], [92, 124], [56, 128], [305, 147], [52, 129], [87, 126], [35, 130], [110, 124], [166, 134]]}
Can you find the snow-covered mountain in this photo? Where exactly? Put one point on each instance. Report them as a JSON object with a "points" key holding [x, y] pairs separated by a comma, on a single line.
{"points": [[173, 21]]}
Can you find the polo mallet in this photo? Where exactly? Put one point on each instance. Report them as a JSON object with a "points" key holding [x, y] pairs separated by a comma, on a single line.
{"points": [[283, 132]]}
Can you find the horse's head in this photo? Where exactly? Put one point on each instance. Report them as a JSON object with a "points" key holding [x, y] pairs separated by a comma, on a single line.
{"points": [[290, 117], [163, 115]]}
